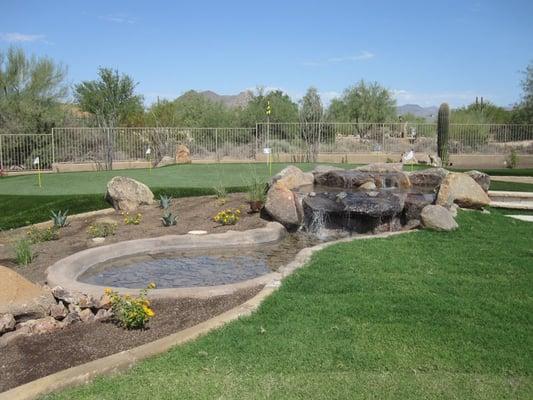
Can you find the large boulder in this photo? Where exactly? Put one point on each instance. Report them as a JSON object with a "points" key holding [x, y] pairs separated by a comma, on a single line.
{"points": [[183, 155], [415, 203], [127, 194], [428, 179], [293, 177], [22, 298], [378, 204], [435, 160], [321, 169], [437, 218], [381, 167], [462, 190], [394, 179], [481, 178], [281, 204], [343, 179]]}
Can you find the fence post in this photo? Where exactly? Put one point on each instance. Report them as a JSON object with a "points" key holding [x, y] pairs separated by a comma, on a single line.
{"points": [[1, 154], [53, 149], [256, 140], [216, 145]]}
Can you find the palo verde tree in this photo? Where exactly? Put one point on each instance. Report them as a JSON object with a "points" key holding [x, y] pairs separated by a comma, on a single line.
{"points": [[112, 100], [523, 111], [311, 118]]}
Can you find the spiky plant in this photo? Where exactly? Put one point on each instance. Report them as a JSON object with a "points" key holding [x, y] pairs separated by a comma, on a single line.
{"points": [[59, 218], [165, 201], [443, 132], [169, 219]]}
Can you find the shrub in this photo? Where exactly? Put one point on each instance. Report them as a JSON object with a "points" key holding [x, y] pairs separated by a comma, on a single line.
{"points": [[131, 312], [165, 201], [102, 229], [169, 219], [132, 219], [228, 217], [23, 252], [256, 189], [221, 193], [36, 235], [59, 218], [512, 159]]}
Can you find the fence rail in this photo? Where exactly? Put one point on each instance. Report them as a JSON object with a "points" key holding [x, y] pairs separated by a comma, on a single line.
{"points": [[298, 141]]}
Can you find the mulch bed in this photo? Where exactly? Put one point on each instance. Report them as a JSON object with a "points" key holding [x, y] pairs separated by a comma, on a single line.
{"points": [[194, 213], [28, 358]]}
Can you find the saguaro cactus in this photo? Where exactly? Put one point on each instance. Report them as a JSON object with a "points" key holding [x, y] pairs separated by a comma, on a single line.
{"points": [[443, 130]]}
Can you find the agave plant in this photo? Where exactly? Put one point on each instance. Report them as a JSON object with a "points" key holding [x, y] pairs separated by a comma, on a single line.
{"points": [[165, 201], [169, 219], [59, 218]]}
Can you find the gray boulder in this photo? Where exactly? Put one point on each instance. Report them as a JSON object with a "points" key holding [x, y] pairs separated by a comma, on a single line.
{"points": [[381, 167], [128, 194], [481, 178], [7, 323], [437, 218], [415, 203], [343, 179], [166, 160], [428, 179], [322, 169]]}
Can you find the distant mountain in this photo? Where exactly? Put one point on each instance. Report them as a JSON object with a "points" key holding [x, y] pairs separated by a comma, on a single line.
{"points": [[418, 111], [233, 101]]}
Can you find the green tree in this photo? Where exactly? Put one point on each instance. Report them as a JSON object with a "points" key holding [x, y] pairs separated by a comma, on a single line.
{"points": [[282, 106], [311, 116], [112, 100], [480, 112], [364, 102], [523, 111]]}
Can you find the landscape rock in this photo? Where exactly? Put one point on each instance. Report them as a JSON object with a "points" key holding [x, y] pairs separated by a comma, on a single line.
{"points": [[104, 302], [322, 169], [481, 178], [453, 210], [462, 190], [103, 315], [128, 194], [415, 203], [183, 155], [8, 337], [424, 159], [166, 160], [437, 218], [281, 205], [22, 298], [293, 177], [377, 204], [7, 323], [394, 179], [71, 318], [86, 315], [343, 179], [428, 179], [81, 300], [368, 186], [40, 326], [381, 167], [411, 224], [58, 311]]}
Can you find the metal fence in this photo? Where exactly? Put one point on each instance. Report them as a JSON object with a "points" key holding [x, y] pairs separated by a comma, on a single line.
{"points": [[296, 141]]}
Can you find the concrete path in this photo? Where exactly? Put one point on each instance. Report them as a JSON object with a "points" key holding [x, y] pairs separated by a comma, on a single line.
{"points": [[514, 179], [527, 218]]}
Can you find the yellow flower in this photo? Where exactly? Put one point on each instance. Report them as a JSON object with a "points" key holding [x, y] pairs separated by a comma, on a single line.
{"points": [[151, 285], [107, 290], [148, 311]]}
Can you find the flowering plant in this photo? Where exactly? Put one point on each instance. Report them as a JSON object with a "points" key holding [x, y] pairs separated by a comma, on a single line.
{"points": [[228, 217], [37, 235], [132, 219], [131, 312]]}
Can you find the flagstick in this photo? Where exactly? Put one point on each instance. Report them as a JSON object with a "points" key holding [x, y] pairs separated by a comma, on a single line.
{"points": [[39, 175]]}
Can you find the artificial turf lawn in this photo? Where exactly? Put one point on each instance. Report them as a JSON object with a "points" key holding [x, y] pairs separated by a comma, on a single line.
{"points": [[425, 315]]}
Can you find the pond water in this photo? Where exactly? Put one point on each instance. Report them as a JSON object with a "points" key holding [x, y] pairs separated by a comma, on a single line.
{"points": [[190, 268]]}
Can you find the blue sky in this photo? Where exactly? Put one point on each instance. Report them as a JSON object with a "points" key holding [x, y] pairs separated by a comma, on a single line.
{"points": [[426, 52]]}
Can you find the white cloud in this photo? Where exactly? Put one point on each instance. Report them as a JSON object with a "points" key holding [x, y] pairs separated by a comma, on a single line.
{"points": [[362, 56], [16, 37], [118, 18], [455, 99]]}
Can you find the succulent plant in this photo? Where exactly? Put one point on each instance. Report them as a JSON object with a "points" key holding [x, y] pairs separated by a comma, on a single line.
{"points": [[169, 219], [59, 218], [443, 131], [165, 201]]}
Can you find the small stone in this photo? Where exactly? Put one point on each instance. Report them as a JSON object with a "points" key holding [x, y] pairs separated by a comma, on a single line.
{"points": [[105, 302], [412, 224], [86, 315], [98, 239], [103, 315], [437, 218], [39, 326], [74, 308], [71, 318], [368, 186], [87, 301], [7, 323], [59, 311], [453, 209], [197, 232]]}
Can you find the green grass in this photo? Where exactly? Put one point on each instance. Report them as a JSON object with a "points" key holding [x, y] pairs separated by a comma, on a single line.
{"points": [[420, 316], [511, 186], [501, 171]]}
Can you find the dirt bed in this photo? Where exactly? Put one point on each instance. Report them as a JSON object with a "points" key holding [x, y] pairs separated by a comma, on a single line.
{"points": [[194, 213], [29, 358]]}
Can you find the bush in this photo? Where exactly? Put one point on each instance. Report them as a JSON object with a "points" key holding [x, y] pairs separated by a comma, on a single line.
{"points": [[131, 312], [36, 235], [102, 229], [23, 252], [512, 159], [132, 219]]}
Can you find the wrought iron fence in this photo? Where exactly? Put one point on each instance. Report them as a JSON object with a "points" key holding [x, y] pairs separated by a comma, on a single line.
{"points": [[299, 141]]}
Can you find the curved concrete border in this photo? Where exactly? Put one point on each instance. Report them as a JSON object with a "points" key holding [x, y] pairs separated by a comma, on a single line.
{"points": [[122, 361], [66, 271], [511, 200]]}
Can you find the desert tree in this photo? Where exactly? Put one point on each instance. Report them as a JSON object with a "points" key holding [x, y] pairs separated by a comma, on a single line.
{"points": [[311, 118]]}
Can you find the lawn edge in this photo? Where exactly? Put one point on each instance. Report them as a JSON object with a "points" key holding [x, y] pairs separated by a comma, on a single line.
{"points": [[119, 362]]}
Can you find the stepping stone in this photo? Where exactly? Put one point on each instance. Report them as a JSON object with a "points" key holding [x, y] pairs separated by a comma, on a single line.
{"points": [[527, 218], [197, 232]]}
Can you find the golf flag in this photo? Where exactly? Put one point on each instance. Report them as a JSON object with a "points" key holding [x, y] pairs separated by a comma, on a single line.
{"points": [[36, 161], [148, 151], [409, 156], [268, 109]]}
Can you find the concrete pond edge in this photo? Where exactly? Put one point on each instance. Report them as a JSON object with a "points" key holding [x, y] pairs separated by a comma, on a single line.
{"points": [[119, 362]]}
